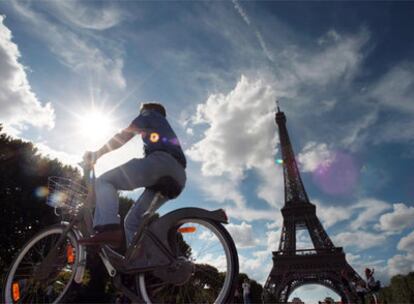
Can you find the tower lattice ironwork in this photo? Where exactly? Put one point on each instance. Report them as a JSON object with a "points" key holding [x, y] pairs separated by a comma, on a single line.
{"points": [[324, 264]]}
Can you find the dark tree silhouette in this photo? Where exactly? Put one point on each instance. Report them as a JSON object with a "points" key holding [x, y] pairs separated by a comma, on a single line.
{"points": [[255, 290], [400, 290], [23, 189], [23, 182]]}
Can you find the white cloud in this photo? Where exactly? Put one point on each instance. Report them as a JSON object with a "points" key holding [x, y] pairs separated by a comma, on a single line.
{"points": [[368, 210], [277, 223], [394, 92], [359, 239], [19, 104], [75, 51], [331, 215], [242, 235], [220, 189], [352, 258], [338, 60], [241, 136], [241, 131], [400, 218], [86, 14], [356, 134], [258, 266], [303, 240], [400, 264], [396, 88], [407, 243], [66, 158], [273, 239], [217, 261], [271, 187], [364, 212], [314, 155], [330, 36], [251, 214]]}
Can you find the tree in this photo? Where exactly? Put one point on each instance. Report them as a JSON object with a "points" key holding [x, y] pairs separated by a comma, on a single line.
{"points": [[256, 289], [23, 190], [400, 290]]}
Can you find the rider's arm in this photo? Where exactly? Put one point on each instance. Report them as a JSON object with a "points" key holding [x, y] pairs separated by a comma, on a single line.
{"points": [[118, 140]]}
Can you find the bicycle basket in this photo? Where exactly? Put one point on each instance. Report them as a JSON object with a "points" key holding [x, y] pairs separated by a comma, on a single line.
{"points": [[65, 194]]}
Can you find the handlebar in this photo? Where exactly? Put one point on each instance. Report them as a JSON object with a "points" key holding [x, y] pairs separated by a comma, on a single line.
{"points": [[88, 172]]}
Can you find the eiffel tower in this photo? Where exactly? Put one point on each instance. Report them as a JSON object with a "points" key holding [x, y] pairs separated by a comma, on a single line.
{"points": [[324, 264]]}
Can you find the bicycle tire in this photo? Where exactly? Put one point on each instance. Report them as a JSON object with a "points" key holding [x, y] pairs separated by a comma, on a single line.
{"points": [[227, 289], [35, 240]]}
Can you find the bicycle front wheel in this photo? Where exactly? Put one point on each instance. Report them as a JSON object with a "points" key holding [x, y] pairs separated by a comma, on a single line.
{"points": [[210, 249], [31, 281]]}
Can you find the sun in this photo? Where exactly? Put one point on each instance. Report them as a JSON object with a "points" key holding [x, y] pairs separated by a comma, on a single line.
{"points": [[94, 125]]}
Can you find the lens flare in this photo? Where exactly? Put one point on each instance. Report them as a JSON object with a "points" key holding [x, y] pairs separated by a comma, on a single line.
{"points": [[41, 192], [154, 137], [339, 177], [174, 141], [57, 199]]}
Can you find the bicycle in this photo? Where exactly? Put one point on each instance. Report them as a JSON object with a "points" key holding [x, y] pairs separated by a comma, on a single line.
{"points": [[184, 256]]}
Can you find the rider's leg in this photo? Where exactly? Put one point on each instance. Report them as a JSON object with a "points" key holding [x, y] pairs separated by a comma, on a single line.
{"points": [[133, 217], [106, 221], [106, 209], [166, 165], [133, 174]]}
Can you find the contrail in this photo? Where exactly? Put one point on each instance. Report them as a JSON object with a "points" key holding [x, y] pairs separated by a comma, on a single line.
{"points": [[241, 12], [258, 35]]}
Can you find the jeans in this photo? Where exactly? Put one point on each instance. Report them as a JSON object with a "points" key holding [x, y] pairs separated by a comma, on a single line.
{"points": [[138, 172]]}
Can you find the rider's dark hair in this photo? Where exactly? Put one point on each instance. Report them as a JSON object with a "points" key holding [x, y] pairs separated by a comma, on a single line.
{"points": [[154, 106]]}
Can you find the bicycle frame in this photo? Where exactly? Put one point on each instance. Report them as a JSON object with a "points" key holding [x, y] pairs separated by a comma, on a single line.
{"points": [[152, 236]]}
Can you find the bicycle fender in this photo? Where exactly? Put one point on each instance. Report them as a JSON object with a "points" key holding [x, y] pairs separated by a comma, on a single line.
{"points": [[80, 271], [216, 215], [161, 227]]}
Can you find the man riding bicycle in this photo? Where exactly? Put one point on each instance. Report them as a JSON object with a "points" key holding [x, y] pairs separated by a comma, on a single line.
{"points": [[177, 264], [163, 157]]}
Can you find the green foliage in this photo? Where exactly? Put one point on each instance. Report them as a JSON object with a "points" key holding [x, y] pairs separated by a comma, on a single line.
{"points": [[23, 212], [400, 290], [23, 172]]}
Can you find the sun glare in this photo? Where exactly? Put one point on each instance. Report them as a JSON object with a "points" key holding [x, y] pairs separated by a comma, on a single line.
{"points": [[94, 125]]}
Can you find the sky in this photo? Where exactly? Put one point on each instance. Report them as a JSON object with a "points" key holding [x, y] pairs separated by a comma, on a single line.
{"points": [[343, 73]]}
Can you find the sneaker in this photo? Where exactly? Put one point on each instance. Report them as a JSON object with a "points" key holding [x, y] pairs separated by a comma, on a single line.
{"points": [[111, 237]]}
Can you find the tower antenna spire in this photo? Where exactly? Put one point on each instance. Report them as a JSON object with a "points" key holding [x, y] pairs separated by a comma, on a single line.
{"points": [[277, 105]]}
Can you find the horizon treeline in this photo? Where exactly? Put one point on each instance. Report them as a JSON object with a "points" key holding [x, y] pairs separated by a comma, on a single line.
{"points": [[400, 290]]}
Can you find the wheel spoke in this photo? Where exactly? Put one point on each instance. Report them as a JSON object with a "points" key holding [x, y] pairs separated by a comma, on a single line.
{"points": [[42, 289], [210, 245]]}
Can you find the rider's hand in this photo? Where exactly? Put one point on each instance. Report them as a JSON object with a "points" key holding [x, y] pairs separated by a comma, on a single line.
{"points": [[90, 158]]}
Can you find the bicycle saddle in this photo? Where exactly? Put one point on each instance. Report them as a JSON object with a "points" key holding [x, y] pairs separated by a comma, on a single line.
{"points": [[167, 186]]}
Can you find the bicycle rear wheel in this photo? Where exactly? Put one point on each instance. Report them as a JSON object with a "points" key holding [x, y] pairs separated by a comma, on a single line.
{"points": [[211, 251], [24, 284]]}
